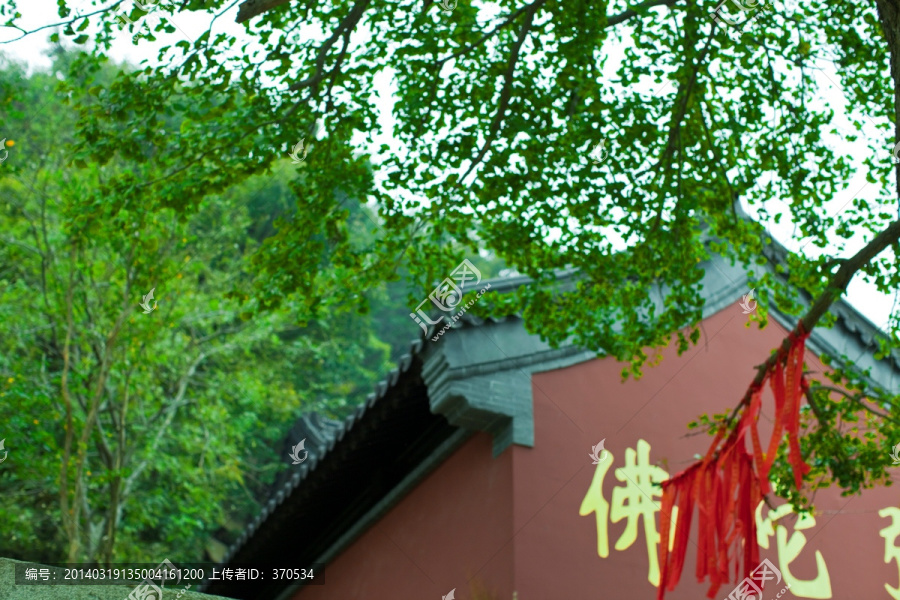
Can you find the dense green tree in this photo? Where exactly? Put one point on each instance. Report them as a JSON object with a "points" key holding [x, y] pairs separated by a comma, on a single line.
{"points": [[131, 435]]}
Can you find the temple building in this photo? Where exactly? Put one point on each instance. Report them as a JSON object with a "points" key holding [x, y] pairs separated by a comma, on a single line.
{"points": [[477, 467]]}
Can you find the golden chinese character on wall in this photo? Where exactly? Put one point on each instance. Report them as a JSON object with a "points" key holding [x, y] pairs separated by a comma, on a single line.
{"points": [[636, 501]]}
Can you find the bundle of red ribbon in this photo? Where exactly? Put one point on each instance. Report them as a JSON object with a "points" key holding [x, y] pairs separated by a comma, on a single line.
{"points": [[728, 483]]}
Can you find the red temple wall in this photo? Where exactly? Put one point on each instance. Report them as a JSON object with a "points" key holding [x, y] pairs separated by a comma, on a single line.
{"points": [[515, 522]]}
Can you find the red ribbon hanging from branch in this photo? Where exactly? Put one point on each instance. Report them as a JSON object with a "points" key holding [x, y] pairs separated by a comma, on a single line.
{"points": [[728, 484]]}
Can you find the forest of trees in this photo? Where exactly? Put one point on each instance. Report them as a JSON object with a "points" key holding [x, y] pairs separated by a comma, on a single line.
{"points": [[139, 435]]}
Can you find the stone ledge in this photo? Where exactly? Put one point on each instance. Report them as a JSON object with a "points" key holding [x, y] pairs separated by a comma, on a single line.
{"points": [[10, 591]]}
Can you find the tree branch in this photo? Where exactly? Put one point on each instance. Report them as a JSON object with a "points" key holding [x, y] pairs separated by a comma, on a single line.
{"points": [[889, 14], [858, 399], [512, 17], [836, 287], [69, 523], [170, 410], [506, 92], [69, 22], [349, 24], [680, 112], [251, 8], [23, 246]]}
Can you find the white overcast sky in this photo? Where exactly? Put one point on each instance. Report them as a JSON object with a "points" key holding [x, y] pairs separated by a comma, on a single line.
{"points": [[32, 50]]}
